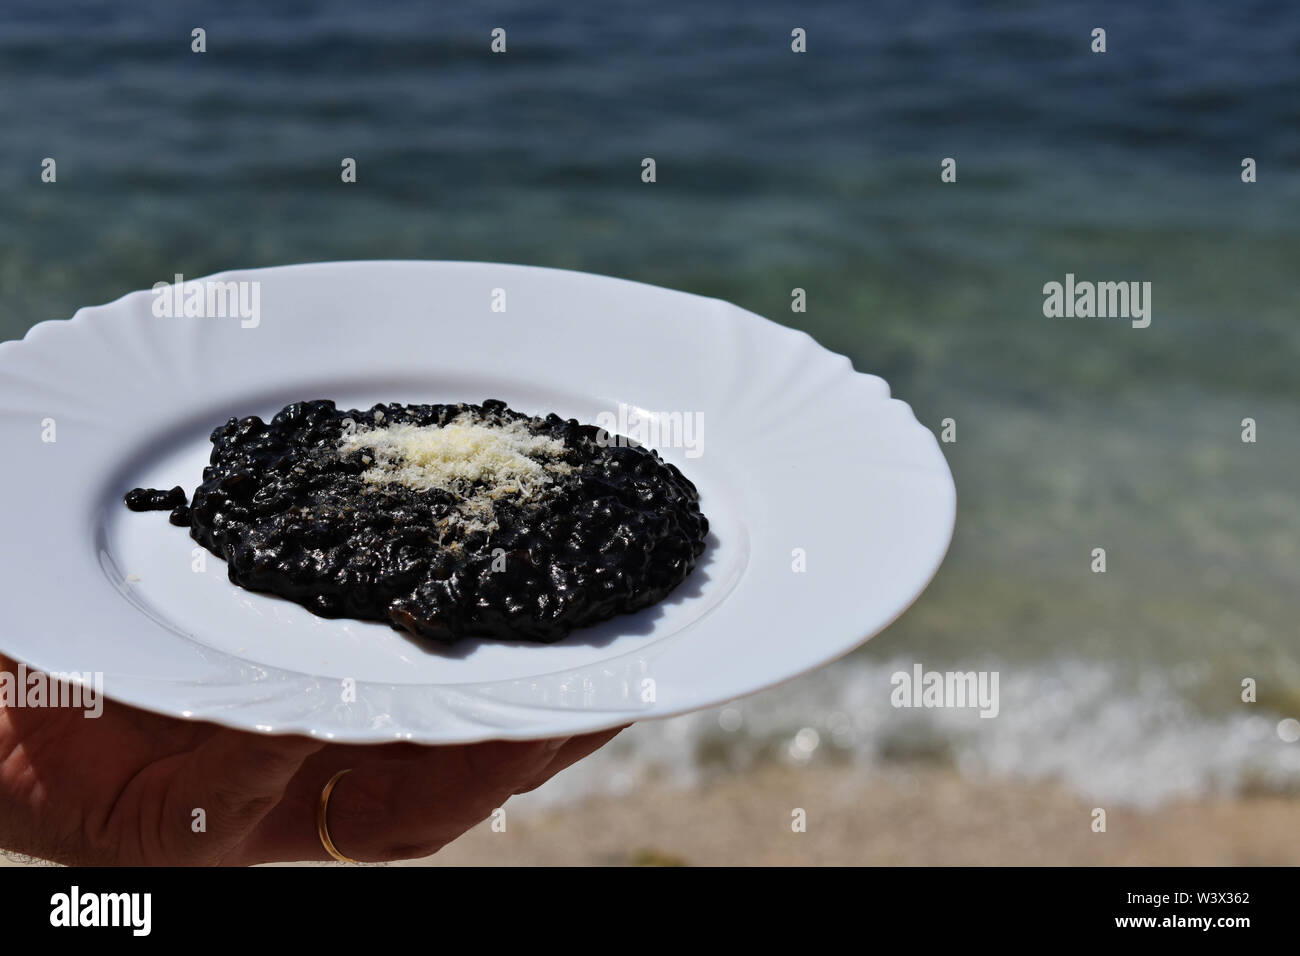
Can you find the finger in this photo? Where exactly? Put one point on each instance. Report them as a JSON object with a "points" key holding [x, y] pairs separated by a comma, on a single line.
{"points": [[234, 779], [407, 800], [399, 800], [573, 750]]}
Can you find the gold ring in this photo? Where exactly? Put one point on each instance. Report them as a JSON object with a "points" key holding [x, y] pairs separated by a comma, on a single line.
{"points": [[322, 827]]}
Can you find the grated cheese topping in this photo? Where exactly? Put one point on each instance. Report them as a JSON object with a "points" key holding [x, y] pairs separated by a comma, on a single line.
{"points": [[476, 461]]}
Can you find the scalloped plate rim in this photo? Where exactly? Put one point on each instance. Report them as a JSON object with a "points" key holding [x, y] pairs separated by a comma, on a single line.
{"points": [[942, 496]]}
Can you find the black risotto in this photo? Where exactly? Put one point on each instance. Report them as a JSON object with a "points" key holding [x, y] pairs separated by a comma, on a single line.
{"points": [[448, 521]]}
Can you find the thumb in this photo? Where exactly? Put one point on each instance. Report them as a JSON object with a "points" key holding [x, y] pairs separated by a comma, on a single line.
{"points": [[224, 789]]}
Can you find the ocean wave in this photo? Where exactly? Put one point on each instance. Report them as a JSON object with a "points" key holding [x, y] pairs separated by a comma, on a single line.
{"points": [[1090, 727]]}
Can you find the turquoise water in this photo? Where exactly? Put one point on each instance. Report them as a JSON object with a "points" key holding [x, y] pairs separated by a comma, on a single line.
{"points": [[818, 171]]}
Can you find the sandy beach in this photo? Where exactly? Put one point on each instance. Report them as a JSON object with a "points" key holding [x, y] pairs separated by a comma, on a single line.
{"points": [[917, 816]]}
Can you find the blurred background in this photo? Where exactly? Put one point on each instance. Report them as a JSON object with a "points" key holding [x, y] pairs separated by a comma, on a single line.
{"points": [[821, 171]]}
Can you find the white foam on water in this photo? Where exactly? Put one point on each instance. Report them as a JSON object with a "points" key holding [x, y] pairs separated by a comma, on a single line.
{"points": [[1104, 736]]}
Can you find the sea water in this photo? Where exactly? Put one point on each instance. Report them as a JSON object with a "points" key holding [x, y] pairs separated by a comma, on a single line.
{"points": [[821, 171]]}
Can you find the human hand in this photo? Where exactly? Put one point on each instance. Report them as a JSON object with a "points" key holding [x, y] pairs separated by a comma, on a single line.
{"points": [[123, 788]]}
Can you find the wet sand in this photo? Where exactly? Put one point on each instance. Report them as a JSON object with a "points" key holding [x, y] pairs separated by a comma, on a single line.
{"points": [[921, 816]]}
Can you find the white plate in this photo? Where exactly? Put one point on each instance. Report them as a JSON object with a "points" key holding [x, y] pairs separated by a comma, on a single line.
{"points": [[798, 451]]}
